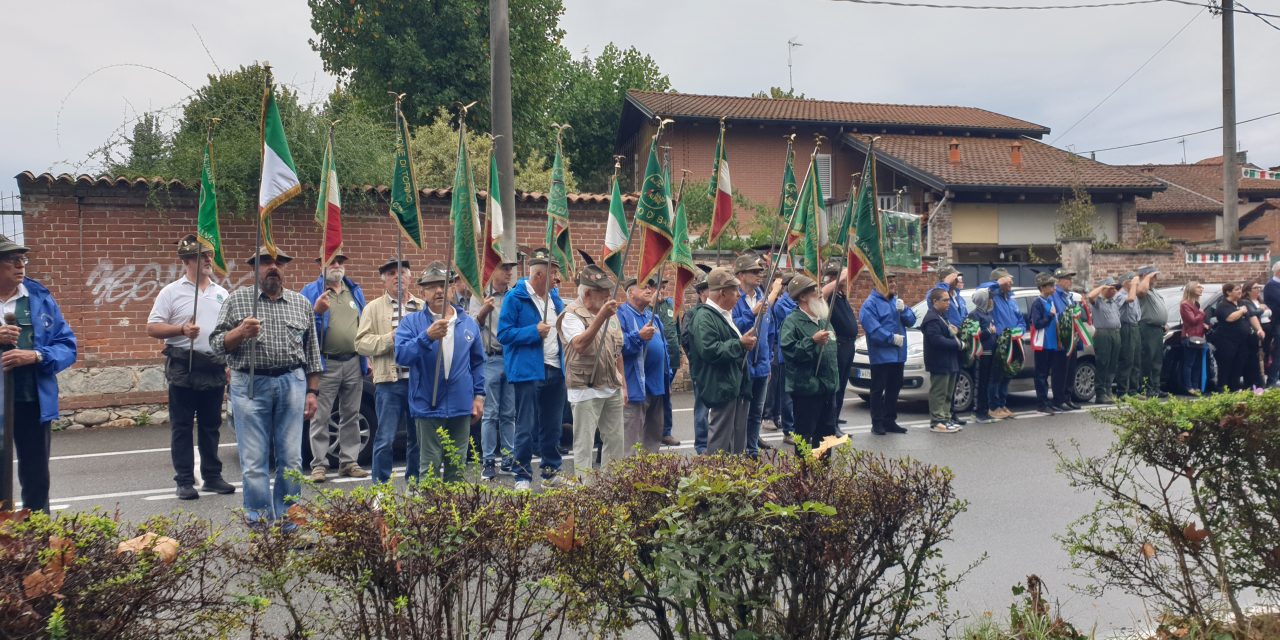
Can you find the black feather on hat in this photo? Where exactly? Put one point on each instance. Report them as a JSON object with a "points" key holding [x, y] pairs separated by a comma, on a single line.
{"points": [[586, 257]]}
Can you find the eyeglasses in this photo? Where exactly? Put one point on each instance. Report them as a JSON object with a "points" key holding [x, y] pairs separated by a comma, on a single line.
{"points": [[17, 260]]}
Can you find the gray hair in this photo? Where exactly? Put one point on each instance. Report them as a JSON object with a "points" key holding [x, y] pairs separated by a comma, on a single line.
{"points": [[1275, 268], [536, 269]]}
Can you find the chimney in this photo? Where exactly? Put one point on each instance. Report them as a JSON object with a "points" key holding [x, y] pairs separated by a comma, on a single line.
{"points": [[1015, 154], [953, 155]]}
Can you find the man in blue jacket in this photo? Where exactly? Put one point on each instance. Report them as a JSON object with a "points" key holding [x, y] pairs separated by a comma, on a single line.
{"points": [[752, 302], [445, 401], [1064, 299], [36, 347], [778, 401], [884, 320], [647, 366], [531, 352], [1042, 321], [950, 281], [338, 303], [1007, 316]]}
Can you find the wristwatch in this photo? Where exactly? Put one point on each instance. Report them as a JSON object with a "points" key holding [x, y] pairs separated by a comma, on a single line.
{"points": [[39, 357], [313, 392]]}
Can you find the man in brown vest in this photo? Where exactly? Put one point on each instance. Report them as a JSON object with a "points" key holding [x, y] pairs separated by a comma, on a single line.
{"points": [[592, 340]]}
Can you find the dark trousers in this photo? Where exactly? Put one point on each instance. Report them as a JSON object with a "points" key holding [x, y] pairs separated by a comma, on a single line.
{"points": [[31, 442], [1151, 358], [844, 363], [815, 418], [1044, 362], [1106, 349], [1253, 369], [539, 421], [886, 384], [1127, 362], [1061, 375], [1230, 354], [201, 410], [778, 402], [982, 383]]}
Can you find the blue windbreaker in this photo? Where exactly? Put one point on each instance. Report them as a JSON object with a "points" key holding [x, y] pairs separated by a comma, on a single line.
{"points": [[881, 321], [1004, 308], [419, 352], [766, 336], [781, 309], [54, 341], [518, 333], [647, 378], [957, 310]]}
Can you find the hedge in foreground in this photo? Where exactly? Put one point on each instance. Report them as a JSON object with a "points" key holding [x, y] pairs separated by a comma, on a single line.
{"points": [[703, 547]]}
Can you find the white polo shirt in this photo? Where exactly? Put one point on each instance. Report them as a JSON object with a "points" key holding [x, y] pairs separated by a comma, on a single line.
{"points": [[173, 306]]}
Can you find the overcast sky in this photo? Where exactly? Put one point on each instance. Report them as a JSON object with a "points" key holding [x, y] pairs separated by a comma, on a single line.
{"points": [[1049, 67]]}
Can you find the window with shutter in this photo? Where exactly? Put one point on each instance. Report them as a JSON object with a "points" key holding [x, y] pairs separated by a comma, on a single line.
{"points": [[824, 175]]}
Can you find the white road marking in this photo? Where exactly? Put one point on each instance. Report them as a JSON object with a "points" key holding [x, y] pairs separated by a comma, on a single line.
{"points": [[129, 452]]}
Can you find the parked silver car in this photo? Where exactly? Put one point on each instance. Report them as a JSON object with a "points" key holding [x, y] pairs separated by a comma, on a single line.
{"points": [[915, 380]]}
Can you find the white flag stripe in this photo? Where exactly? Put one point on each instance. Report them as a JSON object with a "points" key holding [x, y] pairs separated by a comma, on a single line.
{"points": [[277, 178]]}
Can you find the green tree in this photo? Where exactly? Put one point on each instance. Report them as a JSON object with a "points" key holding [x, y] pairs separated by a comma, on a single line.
{"points": [[438, 53], [591, 100], [148, 149], [777, 93], [435, 154]]}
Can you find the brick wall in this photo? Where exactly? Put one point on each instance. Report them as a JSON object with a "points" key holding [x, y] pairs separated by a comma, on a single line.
{"points": [[1173, 266]]}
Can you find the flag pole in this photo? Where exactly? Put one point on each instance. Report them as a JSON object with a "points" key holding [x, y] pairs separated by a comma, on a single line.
{"points": [[195, 299], [399, 252], [448, 270], [617, 166], [257, 247], [773, 264]]}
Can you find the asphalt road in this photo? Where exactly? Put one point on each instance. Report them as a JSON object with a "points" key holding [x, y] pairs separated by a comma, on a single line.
{"points": [[1005, 470]]}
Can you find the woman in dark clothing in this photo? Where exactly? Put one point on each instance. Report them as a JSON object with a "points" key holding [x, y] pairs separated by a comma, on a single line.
{"points": [[1230, 336], [1254, 373], [1193, 345], [982, 314]]}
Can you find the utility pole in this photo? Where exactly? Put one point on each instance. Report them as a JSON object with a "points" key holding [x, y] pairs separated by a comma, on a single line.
{"points": [[500, 108], [1230, 170]]}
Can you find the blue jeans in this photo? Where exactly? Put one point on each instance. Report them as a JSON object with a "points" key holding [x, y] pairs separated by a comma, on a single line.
{"points": [[1194, 357], [755, 411], [391, 401], [539, 421], [498, 426], [699, 424], [270, 422]]}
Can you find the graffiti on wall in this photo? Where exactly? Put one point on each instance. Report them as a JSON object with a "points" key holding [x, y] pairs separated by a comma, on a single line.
{"points": [[111, 284]]}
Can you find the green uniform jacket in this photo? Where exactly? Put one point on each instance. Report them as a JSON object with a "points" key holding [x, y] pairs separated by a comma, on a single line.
{"points": [[801, 355], [665, 310], [717, 358]]}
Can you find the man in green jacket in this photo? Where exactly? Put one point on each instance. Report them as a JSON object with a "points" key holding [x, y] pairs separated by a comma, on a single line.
{"points": [[718, 352], [809, 351]]}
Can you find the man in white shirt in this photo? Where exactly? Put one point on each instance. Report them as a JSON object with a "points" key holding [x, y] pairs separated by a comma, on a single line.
{"points": [[592, 339], [184, 319]]}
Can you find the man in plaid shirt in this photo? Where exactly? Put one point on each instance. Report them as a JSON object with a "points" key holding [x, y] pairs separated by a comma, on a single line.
{"points": [[279, 343]]}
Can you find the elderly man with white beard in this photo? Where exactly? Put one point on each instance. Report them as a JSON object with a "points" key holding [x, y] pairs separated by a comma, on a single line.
{"points": [[278, 344], [809, 349]]}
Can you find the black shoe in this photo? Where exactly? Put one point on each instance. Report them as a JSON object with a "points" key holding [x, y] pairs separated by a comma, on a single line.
{"points": [[878, 430], [958, 421], [842, 421], [764, 446], [217, 485], [1162, 395], [1047, 409], [187, 492], [1073, 405], [895, 428]]}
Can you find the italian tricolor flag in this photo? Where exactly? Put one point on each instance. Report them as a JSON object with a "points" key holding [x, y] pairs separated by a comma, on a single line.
{"points": [[329, 207], [615, 231], [493, 224], [721, 190], [279, 173]]}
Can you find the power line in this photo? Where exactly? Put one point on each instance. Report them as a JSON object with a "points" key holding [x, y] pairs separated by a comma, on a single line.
{"points": [[1258, 16], [1126, 80], [1182, 135], [1048, 7]]}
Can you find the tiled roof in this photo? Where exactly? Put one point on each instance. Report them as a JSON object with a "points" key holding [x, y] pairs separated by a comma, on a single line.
{"points": [[986, 164], [678, 105], [27, 178], [1194, 188]]}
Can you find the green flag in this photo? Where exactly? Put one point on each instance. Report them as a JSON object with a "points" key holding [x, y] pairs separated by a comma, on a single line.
{"points": [[653, 213], [787, 202], [558, 216], [207, 228], [404, 187], [464, 219], [809, 214], [867, 249]]}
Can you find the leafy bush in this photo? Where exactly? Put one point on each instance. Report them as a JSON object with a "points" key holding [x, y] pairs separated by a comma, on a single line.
{"points": [[70, 577], [1189, 514]]}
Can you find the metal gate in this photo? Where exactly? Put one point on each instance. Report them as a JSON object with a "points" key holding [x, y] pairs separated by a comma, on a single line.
{"points": [[1024, 273]]}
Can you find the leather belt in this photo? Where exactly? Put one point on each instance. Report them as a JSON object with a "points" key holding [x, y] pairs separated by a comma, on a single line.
{"points": [[271, 373], [340, 357]]}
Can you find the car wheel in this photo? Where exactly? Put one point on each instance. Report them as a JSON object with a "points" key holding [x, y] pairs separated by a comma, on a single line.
{"points": [[1082, 387], [366, 423], [963, 399], [865, 397]]}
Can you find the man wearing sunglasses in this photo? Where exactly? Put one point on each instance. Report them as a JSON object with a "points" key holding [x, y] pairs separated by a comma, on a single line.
{"points": [[36, 344]]}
